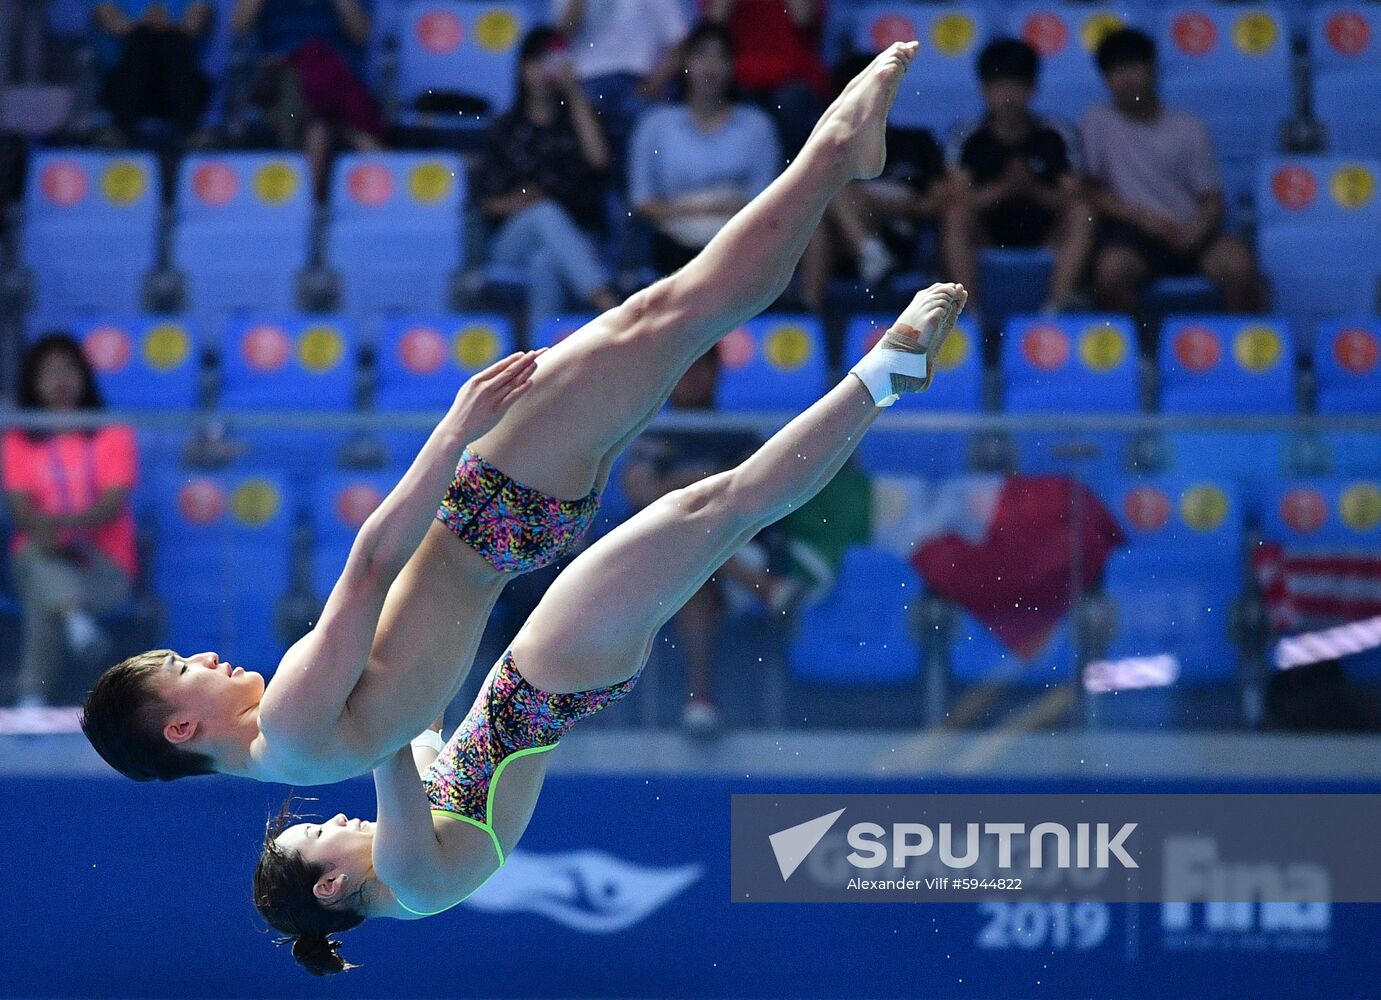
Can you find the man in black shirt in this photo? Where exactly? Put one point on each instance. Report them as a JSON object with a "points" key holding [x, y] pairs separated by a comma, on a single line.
{"points": [[1016, 187], [873, 226]]}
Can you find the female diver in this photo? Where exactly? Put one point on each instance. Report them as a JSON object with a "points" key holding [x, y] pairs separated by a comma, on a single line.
{"points": [[402, 623], [441, 833]]}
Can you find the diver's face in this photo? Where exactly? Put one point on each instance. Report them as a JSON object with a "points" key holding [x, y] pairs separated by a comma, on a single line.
{"points": [[340, 846], [206, 692]]}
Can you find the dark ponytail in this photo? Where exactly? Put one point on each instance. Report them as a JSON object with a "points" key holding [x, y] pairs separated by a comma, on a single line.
{"points": [[283, 896], [319, 954]]}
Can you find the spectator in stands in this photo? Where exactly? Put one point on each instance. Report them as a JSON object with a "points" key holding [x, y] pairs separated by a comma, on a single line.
{"points": [[874, 226], [311, 78], [778, 61], [625, 53], [662, 461], [692, 165], [1156, 187], [1016, 187], [74, 552], [541, 177], [154, 49]]}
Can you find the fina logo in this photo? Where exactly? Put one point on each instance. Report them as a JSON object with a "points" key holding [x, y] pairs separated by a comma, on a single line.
{"points": [[588, 891]]}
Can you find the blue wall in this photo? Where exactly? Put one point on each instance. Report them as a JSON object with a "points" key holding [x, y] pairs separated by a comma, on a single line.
{"points": [[122, 890]]}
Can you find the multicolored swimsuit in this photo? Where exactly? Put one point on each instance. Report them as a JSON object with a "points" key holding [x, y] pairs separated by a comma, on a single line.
{"points": [[509, 719], [514, 527]]}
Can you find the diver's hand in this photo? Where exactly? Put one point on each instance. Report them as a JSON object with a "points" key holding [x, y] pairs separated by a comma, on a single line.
{"points": [[485, 397]]}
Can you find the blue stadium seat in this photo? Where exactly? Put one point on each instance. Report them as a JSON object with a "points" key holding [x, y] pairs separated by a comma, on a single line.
{"points": [[1345, 49], [340, 503], [142, 362], [1067, 35], [459, 48], [90, 231], [958, 388], [1173, 586], [1229, 64], [1331, 517], [243, 231], [837, 644], [1346, 370], [221, 560], [1320, 227], [772, 363], [1014, 280], [941, 90], [395, 236], [557, 329], [1227, 364], [423, 360], [288, 363], [1071, 364], [977, 656]]}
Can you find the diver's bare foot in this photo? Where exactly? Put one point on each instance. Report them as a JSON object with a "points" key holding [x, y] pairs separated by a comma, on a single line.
{"points": [[923, 327], [858, 119]]}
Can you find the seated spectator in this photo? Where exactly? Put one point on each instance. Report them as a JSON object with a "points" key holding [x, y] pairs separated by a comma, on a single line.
{"points": [[540, 179], [625, 53], [1156, 187], [153, 47], [662, 461], [1016, 186], [778, 62], [873, 227], [694, 164], [310, 78], [73, 556]]}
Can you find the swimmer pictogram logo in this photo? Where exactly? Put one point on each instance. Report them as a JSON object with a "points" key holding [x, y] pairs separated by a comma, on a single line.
{"points": [[107, 348], [370, 184], [1356, 350], [1045, 32], [1348, 33], [440, 32], [214, 184], [892, 28], [356, 502], [1194, 33], [1045, 347], [1294, 187], [1197, 348], [422, 350], [63, 183], [1304, 510], [1147, 507]]}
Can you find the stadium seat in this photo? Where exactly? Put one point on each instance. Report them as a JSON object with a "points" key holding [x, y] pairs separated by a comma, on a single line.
{"points": [[958, 388], [1229, 64], [341, 501], [977, 656], [142, 362], [283, 364], [1014, 280], [423, 360], [1320, 228], [772, 363], [1345, 50], [243, 232], [465, 49], [557, 329], [90, 231], [395, 231], [1172, 587], [1346, 368], [1071, 364], [220, 562], [1067, 35], [1227, 364], [941, 90], [1335, 522], [836, 644]]}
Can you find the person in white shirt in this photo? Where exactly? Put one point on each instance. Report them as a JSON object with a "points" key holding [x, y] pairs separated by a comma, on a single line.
{"points": [[624, 53]]}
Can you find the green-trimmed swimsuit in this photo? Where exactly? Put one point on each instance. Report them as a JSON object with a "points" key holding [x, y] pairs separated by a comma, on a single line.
{"points": [[509, 719]]}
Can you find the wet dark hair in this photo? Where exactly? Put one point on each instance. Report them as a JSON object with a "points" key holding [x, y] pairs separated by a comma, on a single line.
{"points": [[1124, 46], [1009, 59], [121, 719], [283, 896], [703, 32], [39, 352]]}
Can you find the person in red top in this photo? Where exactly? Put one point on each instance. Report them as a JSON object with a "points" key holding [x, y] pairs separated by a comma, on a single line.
{"points": [[73, 555], [778, 63]]}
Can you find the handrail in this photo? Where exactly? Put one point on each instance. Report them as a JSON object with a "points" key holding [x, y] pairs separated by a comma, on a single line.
{"points": [[191, 420]]}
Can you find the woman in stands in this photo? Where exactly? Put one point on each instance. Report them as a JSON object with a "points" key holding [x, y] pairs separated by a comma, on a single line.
{"points": [[402, 623], [445, 825], [74, 553]]}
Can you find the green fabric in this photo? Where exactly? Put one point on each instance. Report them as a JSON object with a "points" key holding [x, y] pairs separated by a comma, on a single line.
{"points": [[839, 516]]}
